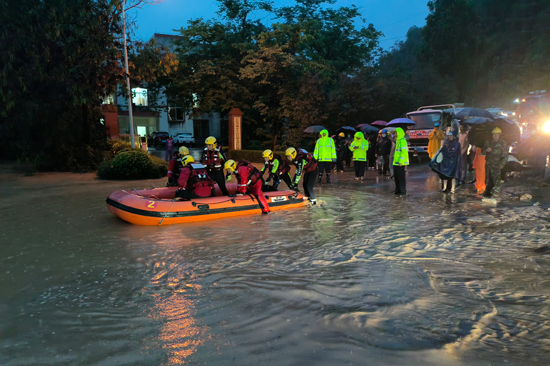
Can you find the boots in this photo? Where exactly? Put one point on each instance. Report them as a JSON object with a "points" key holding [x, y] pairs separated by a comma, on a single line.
{"points": [[319, 180], [328, 178]]}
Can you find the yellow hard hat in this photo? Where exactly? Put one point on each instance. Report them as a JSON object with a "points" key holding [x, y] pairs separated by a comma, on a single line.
{"points": [[230, 165], [187, 159], [291, 152], [210, 140], [268, 154], [497, 130], [341, 134], [184, 151]]}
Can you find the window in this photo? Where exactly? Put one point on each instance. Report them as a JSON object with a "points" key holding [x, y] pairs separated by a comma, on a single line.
{"points": [[175, 112], [425, 121], [201, 127], [139, 96], [110, 99]]}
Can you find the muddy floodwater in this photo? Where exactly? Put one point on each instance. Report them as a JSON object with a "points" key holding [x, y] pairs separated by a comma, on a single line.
{"points": [[365, 279]]}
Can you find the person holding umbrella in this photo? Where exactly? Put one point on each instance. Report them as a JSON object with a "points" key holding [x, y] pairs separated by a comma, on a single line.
{"points": [[447, 163], [325, 154], [435, 137], [371, 154], [496, 152], [347, 152], [340, 151], [359, 147], [383, 148]]}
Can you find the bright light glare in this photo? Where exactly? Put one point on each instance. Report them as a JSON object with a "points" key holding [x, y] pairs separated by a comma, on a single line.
{"points": [[546, 127]]}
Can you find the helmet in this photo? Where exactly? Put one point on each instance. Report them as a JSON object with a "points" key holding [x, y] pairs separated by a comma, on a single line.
{"points": [[291, 152], [450, 133], [497, 130], [268, 154], [436, 125], [184, 151], [187, 159], [210, 140], [341, 134], [384, 131], [230, 165]]}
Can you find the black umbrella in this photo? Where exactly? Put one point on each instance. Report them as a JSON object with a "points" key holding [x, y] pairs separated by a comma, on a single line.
{"points": [[473, 112], [482, 131], [366, 128], [346, 129], [314, 129], [401, 122]]}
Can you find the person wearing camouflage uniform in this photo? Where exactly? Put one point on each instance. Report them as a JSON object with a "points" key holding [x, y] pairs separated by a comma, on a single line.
{"points": [[496, 155]]}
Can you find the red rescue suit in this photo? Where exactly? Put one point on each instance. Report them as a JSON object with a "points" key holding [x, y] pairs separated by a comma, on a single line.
{"points": [[174, 169], [250, 181], [213, 159], [196, 182]]}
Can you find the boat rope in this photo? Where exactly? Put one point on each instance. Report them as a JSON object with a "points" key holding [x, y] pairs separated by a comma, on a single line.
{"points": [[166, 214]]}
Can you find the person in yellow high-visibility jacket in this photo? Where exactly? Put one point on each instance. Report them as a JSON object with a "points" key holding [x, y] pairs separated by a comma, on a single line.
{"points": [[325, 154], [400, 161], [359, 147], [435, 138]]}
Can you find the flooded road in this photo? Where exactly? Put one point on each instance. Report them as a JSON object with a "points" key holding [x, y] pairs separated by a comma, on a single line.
{"points": [[367, 278]]}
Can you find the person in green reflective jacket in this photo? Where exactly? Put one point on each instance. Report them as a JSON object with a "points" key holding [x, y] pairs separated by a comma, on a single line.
{"points": [[400, 161], [325, 154], [359, 147]]}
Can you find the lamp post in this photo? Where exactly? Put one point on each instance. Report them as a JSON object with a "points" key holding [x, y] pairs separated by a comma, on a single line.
{"points": [[128, 77]]}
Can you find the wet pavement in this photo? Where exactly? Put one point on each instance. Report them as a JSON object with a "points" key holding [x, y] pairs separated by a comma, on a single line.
{"points": [[365, 278]]}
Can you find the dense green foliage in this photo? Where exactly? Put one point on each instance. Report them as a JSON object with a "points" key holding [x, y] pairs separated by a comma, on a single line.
{"points": [[132, 164], [59, 59]]}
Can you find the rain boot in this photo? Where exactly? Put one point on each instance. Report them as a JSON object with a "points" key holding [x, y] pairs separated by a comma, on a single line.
{"points": [[328, 178], [320, 176]]}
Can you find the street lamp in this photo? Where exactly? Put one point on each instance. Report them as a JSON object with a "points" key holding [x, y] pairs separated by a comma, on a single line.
{"points": [[128, 76]]}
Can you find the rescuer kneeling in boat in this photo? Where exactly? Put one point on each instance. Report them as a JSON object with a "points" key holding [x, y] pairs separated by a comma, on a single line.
{"points": [[213, 159], [194, 181], [174, 166], [249, 180], [307, 165], [277, 168]]}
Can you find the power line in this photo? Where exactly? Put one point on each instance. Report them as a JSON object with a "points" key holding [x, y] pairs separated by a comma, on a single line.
{"points": [[390, 39], [402, 20]]}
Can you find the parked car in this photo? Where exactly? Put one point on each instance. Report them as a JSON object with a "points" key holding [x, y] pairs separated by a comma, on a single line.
{"points": [[185, 138], [158, 138]]}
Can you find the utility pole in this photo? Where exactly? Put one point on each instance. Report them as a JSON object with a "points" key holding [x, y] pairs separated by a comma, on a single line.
{"points": [[128, 77]]}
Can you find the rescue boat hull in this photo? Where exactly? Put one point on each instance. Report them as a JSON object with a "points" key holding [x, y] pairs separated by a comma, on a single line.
{"points": [[157, 206]]}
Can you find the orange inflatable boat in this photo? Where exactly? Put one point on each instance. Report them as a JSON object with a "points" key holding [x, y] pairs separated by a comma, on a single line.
{"points": [[157, 206]]}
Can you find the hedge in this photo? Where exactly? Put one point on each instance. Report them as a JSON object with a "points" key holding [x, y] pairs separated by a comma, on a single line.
{"points": [[253, 156], [132, 164]]}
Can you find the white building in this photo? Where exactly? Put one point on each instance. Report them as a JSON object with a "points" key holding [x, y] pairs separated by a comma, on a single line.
{"points": [[165, 117]]}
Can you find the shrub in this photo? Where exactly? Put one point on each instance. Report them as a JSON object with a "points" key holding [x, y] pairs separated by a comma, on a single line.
{"points": [[253, 156], [132, 164], [116, 146]]}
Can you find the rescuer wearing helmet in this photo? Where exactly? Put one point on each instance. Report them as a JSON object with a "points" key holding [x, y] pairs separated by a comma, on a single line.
{"points": [[194, 181], [174, 166], [307, 165], [249, 180], [277, 168], [213, 159], [340, 150], [325, 154], [496, 157]]}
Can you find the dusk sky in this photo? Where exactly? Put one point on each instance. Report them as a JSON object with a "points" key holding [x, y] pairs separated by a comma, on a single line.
{"points": [[392, 17]]}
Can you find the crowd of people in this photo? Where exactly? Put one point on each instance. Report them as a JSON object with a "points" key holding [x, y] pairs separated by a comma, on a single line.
{"points": [[388, 152]]}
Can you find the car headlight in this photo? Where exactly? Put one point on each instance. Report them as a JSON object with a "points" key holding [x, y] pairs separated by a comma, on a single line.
{"points": [[546, 127]]}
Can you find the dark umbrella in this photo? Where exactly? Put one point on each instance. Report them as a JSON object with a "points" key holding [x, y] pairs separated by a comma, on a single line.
{"points": [[365, 128], [473, 112], [482, 131], [401, 122], [379, 123], [346, 129], [314, 129]]}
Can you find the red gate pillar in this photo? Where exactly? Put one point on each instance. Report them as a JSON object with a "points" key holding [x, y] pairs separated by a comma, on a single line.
{"points": [[235, 129]]}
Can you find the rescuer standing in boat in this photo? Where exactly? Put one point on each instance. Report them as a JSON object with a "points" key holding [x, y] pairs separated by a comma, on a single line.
{"points": [[325, 154], [249, 180], [194, 181], [277, 168], [307, 165], [174, 166], [213, 159]]}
